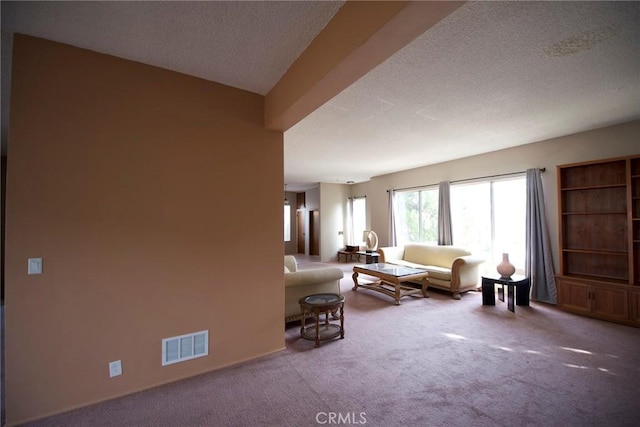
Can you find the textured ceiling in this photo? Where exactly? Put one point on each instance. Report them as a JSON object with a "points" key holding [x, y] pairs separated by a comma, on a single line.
{"points": [[491, 75], [244, 44]]}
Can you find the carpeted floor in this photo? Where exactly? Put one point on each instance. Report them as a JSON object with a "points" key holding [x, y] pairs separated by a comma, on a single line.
{"points": [[426, 362]]}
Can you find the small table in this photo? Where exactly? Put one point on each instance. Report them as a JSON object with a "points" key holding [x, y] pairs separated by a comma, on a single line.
{"points": [[391, 275], [370, 257], [317, 304], [522, 285], [348, 255]]}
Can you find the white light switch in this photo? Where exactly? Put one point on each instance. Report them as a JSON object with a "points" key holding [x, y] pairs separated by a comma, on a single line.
{"points": [[115, 368], [35, 266]]}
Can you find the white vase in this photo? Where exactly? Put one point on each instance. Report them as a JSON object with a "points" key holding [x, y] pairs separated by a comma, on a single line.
{"points": [[505, 268]]}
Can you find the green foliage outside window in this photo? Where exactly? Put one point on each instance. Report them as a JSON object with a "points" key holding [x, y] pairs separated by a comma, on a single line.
{"points": [[417, 216], [488, 218]]}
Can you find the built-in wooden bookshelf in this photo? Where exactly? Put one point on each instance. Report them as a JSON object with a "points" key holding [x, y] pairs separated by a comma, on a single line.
{"points": [[599, 219], [635, 218]]}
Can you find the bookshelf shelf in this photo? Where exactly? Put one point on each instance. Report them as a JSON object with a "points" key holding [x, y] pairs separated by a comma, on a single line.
{"points": [[599, 220]]}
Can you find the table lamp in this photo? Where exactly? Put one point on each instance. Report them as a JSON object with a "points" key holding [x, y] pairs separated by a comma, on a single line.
{"points": [[371, 239]]}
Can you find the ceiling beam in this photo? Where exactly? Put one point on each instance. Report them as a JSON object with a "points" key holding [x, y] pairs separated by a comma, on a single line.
{"points": [[361, 35]]}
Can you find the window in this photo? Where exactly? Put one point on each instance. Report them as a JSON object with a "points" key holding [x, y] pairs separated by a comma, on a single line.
{"points": [[471, 217], [510, 219], [416, 216], [287, 223], [489, 218], [358, 219]]}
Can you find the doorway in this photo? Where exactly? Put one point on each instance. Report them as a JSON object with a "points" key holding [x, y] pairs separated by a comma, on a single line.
{"points": [[301, 234], [314, 232]]}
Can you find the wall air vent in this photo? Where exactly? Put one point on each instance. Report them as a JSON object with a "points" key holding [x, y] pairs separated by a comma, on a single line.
{"points": [[185, 347]]}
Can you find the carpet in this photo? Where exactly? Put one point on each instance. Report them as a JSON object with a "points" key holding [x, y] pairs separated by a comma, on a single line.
{"points": [[427, 362]]}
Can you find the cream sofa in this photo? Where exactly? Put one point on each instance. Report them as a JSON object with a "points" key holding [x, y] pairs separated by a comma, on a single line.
{"points": [[298, 284], [450, 268]]}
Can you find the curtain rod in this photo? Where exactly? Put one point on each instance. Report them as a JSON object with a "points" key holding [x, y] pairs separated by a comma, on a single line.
{"points": [[465, 180]]}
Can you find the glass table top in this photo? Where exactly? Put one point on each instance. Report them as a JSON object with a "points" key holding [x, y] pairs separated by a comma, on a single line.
{"points": [[322, 299], [391, 269]]}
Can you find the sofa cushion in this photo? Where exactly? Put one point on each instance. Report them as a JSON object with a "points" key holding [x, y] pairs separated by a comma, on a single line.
{"points": [[417, 254], [442, 256], [310, 277], [439, 273]]}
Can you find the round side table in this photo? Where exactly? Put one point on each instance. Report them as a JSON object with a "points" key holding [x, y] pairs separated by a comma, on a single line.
{"points": [[315, 305]]}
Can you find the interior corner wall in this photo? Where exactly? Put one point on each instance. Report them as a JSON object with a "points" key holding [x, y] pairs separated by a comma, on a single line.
{"points": [[333, 199], [139, 188], [602, 143]]}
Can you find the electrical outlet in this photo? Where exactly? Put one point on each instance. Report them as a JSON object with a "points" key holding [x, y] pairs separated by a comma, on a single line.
{"points": [[115, 368]]}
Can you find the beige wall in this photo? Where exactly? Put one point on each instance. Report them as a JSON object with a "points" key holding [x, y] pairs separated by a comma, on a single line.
{"points": [[333, 215], [312, 203], [613, 141], [137, 186]]}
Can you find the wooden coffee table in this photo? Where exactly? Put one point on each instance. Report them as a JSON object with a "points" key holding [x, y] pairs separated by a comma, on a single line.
{"points": [[391, 278]]}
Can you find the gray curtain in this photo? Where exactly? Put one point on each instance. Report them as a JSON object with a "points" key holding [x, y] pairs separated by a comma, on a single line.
{"points": [[539, 260], [392, 219], [445, 234]]}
